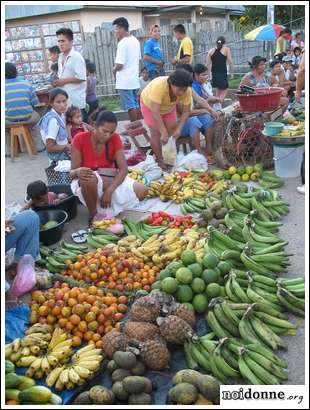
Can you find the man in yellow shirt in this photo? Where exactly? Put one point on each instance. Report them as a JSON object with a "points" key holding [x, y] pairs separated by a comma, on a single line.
{"points": [[186, 49], [158, 106]]}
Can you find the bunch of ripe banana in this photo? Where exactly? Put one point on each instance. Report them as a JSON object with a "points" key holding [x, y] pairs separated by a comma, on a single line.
{"points": [[176, 188], [55, 260], [230, 358], [40, 351], [125, 244], [136, 174], [84, 363], [220, 186], [270, 180], [291, 294], [165, 248]]}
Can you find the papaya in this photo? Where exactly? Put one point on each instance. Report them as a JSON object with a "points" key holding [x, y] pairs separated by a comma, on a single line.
{"points": [[35, 394], [183, 393], [11, 394], [25, 383], [11, 380], [9, 367], [207, 385]]}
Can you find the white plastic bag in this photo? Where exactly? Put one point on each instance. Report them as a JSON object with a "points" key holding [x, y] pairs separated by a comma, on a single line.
{"points": [[169, 151], [192, 161], [25, 278], [150, 168]]}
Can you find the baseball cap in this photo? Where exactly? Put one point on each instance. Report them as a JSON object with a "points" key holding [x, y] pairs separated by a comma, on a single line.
{"points": [[287, 59]]}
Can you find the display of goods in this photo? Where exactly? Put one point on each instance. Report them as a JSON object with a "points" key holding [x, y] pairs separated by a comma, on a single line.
{"points": [[57, 259], [23, 390], [114, 341], [145, 309], [105, 223], [180, 186], [192, 387], [86, 313], [153, 353], [298, 113], [163, 219], [47, 355], [140, 331], [236, 174], [136, 174], [270, 180], [194, 205], [193, 282], [162, 249], [112, 269], [175, 330], [99, 238], [142, 230]]}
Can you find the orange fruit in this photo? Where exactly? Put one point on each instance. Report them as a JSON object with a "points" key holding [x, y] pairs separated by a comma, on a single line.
{"points": [[90, 299], [78, 309], [88, 335], [100, 330], [108, 329], [93, 325], [56, 311], [137, 285], [72, 302], [122, 299], [66, 311], [69, 326], [74, 319], [51, 319], [90, 316], [92, 290], [76, 341], [121, 308], [93, 276], [110, 260], [99, 344], [78, 333], [96, 337], [82, 326], [43, 310], [118, 317], [147, 288], [62, 322], [95, 309]]}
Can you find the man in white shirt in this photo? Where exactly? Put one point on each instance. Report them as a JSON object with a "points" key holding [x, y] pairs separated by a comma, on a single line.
{"points": [[71, 71], [126, 68]]}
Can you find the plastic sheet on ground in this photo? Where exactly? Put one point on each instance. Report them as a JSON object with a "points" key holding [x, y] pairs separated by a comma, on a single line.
{"points": [[16, 322]]}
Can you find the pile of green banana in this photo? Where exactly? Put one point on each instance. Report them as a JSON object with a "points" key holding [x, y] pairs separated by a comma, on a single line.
{"points": [[141, 230], [270, 180], [99, 238], [267, 204], [291, 294], [230, 358], [193, 205], [55, 260]]}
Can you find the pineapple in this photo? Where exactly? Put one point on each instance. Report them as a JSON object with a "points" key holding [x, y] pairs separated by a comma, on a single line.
{"points": [[182, 311], [140, 331], [145, 309], [175, 330], [114, 341]]}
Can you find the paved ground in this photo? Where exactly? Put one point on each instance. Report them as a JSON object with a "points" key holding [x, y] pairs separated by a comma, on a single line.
{"points": [[23, 171]]}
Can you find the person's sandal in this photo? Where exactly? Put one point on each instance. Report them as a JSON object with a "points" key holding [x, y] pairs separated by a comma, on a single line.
{"points": [[79, 236]]}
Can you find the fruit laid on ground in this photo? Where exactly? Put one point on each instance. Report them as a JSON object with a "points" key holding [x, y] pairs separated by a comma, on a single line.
{"points": [[114, 341], [140, 331], [82, 399], [207, 386], [174, 329], [35, 394], [154, 354], [145, 309], [101, 395], [181, 310], [183, 393], [125, 360]]}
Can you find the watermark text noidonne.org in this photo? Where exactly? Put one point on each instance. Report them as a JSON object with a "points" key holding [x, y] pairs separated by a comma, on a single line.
{"points": [[250, 394]]}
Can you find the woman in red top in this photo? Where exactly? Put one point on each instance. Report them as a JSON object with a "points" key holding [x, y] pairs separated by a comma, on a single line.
{"points": [[100, 153]]}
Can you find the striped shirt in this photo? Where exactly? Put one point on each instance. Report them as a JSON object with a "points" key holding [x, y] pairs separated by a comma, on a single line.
{"points": [[19, 99]]}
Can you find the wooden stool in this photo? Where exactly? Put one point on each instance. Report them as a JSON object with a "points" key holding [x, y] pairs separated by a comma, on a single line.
{"points": [[184, 141], [20, 129]]}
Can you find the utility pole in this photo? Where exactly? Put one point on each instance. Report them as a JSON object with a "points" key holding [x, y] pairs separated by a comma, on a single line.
{"points": [[270, 20]]}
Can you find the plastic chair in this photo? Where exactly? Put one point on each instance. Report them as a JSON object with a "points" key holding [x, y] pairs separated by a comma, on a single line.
{"points": [[20, 130]]}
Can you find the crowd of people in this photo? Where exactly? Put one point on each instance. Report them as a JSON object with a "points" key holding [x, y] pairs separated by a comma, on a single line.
{"points": [[181, 104]]}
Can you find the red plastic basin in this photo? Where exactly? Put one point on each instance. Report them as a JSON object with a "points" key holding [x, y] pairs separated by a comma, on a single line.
{"points": [[264, 99]]}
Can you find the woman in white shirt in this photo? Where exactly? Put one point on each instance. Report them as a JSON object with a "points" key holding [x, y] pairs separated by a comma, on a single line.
{"points": [[53, 126]]}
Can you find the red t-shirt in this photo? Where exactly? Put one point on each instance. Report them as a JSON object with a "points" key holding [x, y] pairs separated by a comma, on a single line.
{"points": [[76, 130], [91, 159]]}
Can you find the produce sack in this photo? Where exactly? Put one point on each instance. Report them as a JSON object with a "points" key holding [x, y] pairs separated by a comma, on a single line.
{"points": [[169, 151], [25, 278], [192, 161], [150, 168]]}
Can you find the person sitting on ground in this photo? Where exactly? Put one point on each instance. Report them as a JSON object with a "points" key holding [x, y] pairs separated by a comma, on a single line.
{"points": [[158, 106], [99, 168], [297, 42], [91, 95], [284, 37], [276, 76], [53, 127], [22, 233], [38, 194], [75, 123]]}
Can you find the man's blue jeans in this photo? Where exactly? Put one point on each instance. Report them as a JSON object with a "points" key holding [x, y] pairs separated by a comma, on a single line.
{"points": [[25, 237]]}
